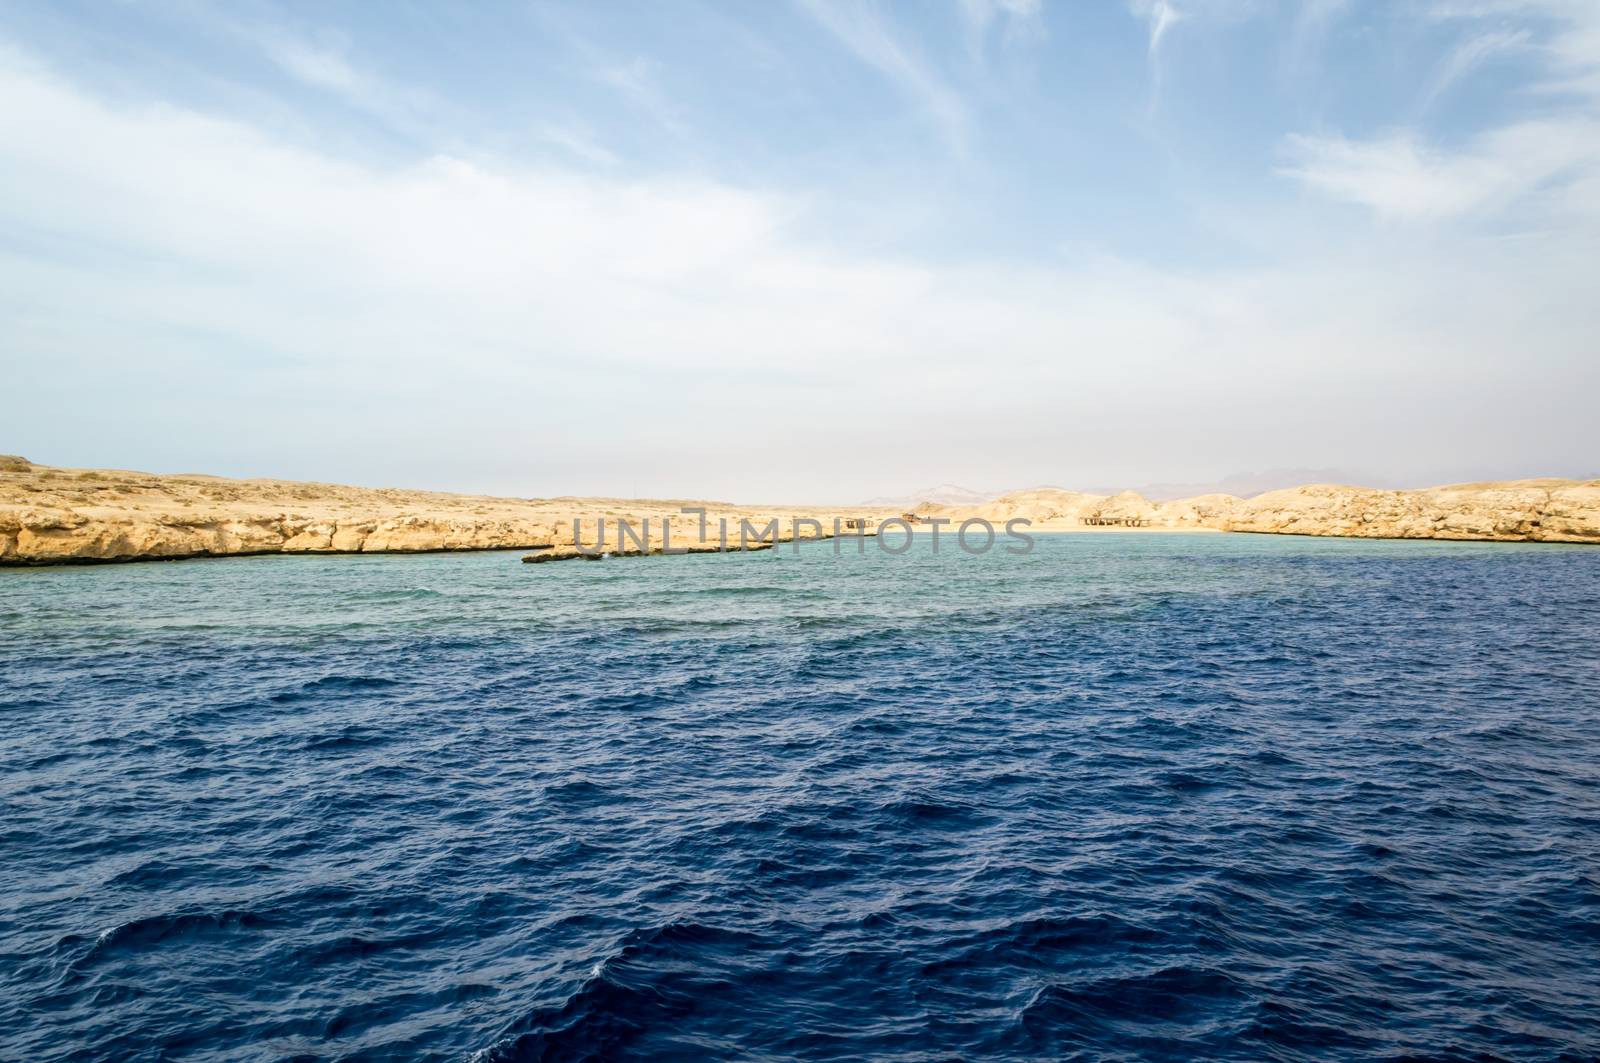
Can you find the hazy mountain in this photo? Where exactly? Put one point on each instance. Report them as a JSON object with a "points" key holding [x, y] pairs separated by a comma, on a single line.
{"points": [[944, 494], [1247, 484], [1242, 484]]}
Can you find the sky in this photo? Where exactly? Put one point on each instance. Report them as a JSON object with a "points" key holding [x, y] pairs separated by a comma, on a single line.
{"points": [[808, 251]]}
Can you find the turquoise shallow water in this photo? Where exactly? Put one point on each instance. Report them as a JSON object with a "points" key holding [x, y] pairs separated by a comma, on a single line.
{"points": [[1128, 797]]}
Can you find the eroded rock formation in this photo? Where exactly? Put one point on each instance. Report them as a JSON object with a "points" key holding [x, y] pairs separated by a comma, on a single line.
{"points": [[1566, 511], [52, 515]]}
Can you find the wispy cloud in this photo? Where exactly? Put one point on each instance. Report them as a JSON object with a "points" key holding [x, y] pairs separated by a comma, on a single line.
{"points": [[1159, 17], [1565, 33], [1016, 20], [985, 12], [1467, 56], [1400, 177], [1553, 160], [576, 141], [637, 82], [589, 311], [1311, 25], [322, 68], [869, 36], [327, 66], [418, 114]]}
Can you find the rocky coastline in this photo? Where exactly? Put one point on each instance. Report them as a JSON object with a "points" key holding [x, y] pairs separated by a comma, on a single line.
{"points": [[1549, 510], [52, 515]]}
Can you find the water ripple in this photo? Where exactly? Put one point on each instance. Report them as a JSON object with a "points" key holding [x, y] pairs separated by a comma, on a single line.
{"points": [[1127, 798]]}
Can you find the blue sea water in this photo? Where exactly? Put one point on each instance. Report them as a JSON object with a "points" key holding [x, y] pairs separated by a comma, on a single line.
{"points": [[1127, 797]]}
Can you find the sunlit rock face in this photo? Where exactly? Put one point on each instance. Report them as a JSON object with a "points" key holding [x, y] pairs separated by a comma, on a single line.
{"points": [[52, 515]]}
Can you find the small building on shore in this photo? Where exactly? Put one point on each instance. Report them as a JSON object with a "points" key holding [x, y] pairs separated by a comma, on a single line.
{"points": [[1126, 510]]}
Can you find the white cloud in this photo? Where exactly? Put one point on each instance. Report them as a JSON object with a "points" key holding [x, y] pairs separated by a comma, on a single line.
{"points": [[1401, 178], [1163, 16], [470, 324], [1565, 32], [1159, 17], [1537, 169]]}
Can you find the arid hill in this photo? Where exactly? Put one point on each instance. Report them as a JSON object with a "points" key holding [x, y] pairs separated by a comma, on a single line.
{"points": [[1564, 511], [55, 515], [51, 515]]}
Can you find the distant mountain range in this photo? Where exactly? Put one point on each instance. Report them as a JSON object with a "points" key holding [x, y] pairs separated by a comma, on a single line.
{"points": [[1242, 484], [1248, 484], [944, 494]]}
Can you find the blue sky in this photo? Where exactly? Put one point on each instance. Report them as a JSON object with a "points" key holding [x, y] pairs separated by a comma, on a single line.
{"points": [[812, 250]]}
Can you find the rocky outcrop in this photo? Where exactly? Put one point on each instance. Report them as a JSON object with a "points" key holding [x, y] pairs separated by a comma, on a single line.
{"points": [[1572, 515], [1566, 511], [58, 516], [53, 516], [1127, 507], [1525, 510], [1042, 504], [55, 536], [1202, 511]]}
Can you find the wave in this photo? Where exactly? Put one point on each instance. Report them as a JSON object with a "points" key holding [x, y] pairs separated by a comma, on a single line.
{"points": [[635, 989], [1115, 804], [145, 931]]}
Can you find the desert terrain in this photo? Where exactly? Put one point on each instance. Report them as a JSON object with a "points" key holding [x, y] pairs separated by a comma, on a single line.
{"points": [[60, 515]]}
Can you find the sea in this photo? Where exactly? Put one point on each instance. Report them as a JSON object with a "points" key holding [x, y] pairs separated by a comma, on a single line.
{"points": [[1125, 797]]}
